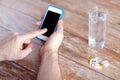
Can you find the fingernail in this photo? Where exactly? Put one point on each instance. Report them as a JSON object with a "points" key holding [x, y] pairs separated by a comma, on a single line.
{"points": [[45, 29]]}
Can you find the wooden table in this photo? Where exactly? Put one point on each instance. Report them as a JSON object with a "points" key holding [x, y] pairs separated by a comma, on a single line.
{"points": [[21, 15]]}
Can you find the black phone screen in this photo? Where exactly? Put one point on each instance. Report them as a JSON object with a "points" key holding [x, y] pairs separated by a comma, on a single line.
{"points": [[50, 22]]}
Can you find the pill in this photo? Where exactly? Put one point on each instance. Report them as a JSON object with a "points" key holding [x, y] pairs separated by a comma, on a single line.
{"points": [[97, 62]]}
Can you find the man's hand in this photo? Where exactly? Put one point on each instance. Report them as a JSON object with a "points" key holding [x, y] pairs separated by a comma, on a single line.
{"points": [[18, 46], [49, 67], [54, 41]]}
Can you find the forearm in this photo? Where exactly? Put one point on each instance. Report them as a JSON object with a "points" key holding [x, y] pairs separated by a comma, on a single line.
{"points": [[49, 68]]}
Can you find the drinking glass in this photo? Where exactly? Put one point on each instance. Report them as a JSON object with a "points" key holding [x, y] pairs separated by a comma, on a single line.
{"points": [[97, 27]]}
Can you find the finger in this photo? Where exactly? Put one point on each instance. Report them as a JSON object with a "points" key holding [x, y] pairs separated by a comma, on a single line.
{"points": [[25, 44], [37, 24], [60, 26], [26, 51], [33, 34], [27, 41], [13, 34]]}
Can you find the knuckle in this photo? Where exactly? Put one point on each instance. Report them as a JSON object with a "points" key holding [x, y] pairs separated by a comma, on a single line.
{"points": [[15, 33], [16, 38]]}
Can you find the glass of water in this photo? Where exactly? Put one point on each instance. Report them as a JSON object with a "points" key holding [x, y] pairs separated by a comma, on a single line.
{"points": [[97, 27]]}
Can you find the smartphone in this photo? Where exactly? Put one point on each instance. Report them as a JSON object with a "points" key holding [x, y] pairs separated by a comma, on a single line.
{"points": [[51, 17]]}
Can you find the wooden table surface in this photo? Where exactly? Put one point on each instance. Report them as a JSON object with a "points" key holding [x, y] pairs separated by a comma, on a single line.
{"points": [[21, 16]]}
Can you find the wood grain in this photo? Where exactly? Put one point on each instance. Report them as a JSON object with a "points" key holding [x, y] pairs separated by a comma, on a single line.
{"points": [[21, 16]]}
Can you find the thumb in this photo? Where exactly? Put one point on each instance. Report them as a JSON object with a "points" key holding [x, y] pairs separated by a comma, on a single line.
{"points": [[60, 26], [26, 51]]}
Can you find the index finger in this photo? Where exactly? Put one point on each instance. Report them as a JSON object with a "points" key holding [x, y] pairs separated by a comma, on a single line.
{"points": [[33, 34]]}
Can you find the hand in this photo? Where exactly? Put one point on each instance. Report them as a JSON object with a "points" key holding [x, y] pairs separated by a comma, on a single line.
{"points": [[18, 46], [54, 41], [49, 66]]}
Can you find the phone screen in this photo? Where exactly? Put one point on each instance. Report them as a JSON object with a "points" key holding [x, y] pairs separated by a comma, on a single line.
{"points": [[50, 22]]}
